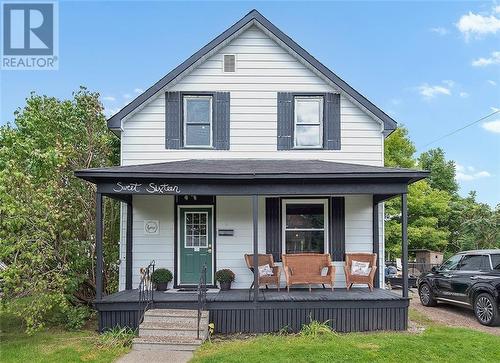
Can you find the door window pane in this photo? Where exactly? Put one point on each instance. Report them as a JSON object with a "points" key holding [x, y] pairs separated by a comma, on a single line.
{"points": [[196, 229], [474, 263], [308, 121], [198, 121]]}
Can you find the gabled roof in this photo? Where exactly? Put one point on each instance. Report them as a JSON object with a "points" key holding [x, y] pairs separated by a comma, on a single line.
{"points": [[114, 123], [251, 169]]}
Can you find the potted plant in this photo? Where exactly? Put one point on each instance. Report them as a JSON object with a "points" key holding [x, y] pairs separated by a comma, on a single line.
{"points": [[224, 277], [161, 277]]}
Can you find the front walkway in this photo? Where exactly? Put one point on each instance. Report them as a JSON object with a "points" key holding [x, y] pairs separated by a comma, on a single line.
{"points": [[142, 356]]}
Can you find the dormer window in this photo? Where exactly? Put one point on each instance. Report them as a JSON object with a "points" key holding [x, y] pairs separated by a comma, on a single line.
{"points": [[308, 122], [198, 121]]}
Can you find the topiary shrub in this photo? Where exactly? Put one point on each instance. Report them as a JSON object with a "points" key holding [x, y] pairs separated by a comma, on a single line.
{"points": [[225, 278], [161, 277]]}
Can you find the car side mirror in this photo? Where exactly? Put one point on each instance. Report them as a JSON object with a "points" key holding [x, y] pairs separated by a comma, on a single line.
{"points": [[434, 269]]}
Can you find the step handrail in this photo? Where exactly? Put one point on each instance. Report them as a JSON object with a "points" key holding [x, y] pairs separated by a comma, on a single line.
{"points": [[146, 293]]}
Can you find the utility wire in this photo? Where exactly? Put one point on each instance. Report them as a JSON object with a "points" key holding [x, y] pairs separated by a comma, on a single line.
{"points": [[461, 128]]}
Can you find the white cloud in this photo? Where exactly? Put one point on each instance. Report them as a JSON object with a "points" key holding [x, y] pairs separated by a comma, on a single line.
{"points": [[439, 30], [127, 96], [492, 82], [476, 25], [492, 126], [449, 82], [494, 109], [430, 91], [496, 9], [469, 173], [109, 98], [464, 94], [138, 90], [482, 62]]}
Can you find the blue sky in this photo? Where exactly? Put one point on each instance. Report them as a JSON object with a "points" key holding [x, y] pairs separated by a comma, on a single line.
{"points": [[433, 66]]}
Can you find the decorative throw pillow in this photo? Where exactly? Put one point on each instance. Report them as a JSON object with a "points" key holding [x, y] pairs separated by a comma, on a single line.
{"points": [[265, 270], [324, 271], [360, 268]]}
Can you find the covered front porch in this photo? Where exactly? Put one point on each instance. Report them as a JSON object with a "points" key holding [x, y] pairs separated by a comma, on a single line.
{"points": [[253, 183]]}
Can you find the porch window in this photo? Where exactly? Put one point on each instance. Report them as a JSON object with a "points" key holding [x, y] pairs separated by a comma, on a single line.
{"points": [[308, 122], [305, 225], [197, 121]]}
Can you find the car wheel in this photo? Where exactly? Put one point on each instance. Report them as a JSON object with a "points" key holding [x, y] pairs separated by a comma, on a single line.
{"points": [[426, 296], [486, 310]]}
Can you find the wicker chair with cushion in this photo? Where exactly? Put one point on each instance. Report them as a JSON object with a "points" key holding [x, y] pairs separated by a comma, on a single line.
{"points": [[308, 268], [273, 279], [360, 278]]}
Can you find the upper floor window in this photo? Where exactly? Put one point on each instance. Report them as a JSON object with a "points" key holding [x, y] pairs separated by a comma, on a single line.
{"points": [[308, 122], [197, 121]]}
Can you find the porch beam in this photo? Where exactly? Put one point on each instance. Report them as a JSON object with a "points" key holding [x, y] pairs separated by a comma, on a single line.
{"points": [[376, 239], [404, 247], [255, 216], [99, 247], [128, 247]]}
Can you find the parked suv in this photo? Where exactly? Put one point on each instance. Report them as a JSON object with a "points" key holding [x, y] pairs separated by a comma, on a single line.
{"points": [[471, 279]]}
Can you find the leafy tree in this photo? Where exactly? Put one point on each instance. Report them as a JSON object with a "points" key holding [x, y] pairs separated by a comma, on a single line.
{"points": [[399, 150], [428, 207], [442, 171], [47, 220]]}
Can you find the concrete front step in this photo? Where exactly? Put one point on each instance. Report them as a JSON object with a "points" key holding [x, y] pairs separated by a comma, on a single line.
{"points": [[170, 329], [166, 343], [173, 316]]}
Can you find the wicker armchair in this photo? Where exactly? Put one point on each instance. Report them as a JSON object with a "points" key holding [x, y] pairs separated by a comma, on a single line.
{"points": [[265, 260], [305, 269], [351, 279]]}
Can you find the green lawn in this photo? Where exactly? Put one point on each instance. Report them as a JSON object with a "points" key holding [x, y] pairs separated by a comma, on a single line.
{"points": [[435, 344], [55, 345]]}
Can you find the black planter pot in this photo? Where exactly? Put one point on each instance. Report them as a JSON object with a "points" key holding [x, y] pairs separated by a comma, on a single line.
{"points": [[224, 286], [162, 286]]}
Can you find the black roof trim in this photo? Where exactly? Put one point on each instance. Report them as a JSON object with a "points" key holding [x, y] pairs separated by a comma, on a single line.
{"points": [[390, 125], [251, 169]]}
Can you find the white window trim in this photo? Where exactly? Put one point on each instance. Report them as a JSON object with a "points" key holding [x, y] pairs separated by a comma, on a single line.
{"points": [[205, 235], [284, 202], [184, 121], [321, 101], [235, 62]]}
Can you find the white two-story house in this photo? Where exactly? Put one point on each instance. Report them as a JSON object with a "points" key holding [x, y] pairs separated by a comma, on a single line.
{"points": [[251, 146]]}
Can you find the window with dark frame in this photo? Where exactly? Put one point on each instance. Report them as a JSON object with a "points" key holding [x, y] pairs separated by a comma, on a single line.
{"points": [[197, 121], [305, 226], [308, 122]]}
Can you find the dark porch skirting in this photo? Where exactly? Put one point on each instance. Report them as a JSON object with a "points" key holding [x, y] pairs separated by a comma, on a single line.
{"points": [[234, 311]]}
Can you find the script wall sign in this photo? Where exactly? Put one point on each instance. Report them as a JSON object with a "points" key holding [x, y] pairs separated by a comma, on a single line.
{"points": [[151, 188]]}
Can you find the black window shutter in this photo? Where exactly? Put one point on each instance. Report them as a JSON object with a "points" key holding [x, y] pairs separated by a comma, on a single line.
{"points": [[337, 228], [332, 121], [285, 120], [273, 228], [173, 120], [221, 120]]}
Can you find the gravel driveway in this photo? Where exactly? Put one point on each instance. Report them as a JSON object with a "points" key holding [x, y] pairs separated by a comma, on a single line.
{"points": [[451, 315]]}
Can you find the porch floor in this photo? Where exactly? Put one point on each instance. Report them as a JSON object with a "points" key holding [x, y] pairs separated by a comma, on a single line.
{"points": [[270, 295]]}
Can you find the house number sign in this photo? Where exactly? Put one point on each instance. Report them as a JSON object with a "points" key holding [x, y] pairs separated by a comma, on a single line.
{"points": [[151, 188]]}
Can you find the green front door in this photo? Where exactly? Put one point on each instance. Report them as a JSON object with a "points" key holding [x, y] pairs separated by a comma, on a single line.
{"points": [[195, 244]]}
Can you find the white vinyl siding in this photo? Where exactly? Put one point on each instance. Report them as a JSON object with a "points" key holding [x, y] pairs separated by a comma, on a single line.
{"points": [[264, 68], [231, 213]]}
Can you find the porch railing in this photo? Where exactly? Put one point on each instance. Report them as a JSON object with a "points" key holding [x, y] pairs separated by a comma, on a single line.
{"points": [[145, 291], [202, 296]]}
